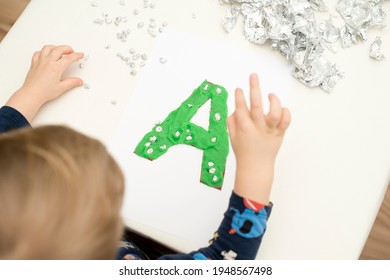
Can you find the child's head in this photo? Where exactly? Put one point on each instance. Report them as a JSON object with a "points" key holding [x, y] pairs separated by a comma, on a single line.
{"points": [[60, 196]]}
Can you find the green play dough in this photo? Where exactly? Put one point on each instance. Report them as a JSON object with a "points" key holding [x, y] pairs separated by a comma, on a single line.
{"points": [[177, 129]]}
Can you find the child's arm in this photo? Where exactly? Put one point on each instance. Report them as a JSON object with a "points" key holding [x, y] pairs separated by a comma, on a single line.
{"points": [[44, 80], [256, 139]]}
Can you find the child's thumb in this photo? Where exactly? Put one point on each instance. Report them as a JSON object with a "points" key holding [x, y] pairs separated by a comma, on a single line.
{"points": [[70, 83]]}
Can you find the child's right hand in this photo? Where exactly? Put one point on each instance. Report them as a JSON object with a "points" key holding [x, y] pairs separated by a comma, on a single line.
{"points": [[44, 80], [256, 139]]}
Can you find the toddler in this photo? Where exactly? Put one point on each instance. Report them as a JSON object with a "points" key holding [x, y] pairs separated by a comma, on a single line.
{"points": [[61, 191]]}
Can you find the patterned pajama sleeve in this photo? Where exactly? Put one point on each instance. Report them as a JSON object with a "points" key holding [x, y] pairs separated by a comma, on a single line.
{"points": [[239, 235]]}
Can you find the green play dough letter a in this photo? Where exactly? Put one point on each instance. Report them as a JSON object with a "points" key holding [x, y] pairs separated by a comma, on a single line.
{"points": [[177, 129]]}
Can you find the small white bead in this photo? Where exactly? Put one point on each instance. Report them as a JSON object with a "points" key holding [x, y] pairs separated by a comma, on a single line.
{"points": [[149, 151], [159, 129], [189, 138], [147, 144], [215, 178], [212, 170], [153, 139], [211, 163], [219, 91], [217, 116], [163, 147], [214, 139]]}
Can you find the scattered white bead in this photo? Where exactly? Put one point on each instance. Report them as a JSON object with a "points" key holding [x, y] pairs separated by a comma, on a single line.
{"points": [[163, 60], [147, 144], [215, 178], [189, 138], [151, 32], [98, 20], [177, 133], [206, 87], [210, 163], [149, 151], [219, 91], [214, 139], [153, 139], [217, 116], [87, 86], [163, 147], [94, 4], [212, 170]]}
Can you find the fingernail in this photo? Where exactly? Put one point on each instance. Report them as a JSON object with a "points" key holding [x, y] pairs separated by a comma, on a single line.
{"points": [[254, 76]]}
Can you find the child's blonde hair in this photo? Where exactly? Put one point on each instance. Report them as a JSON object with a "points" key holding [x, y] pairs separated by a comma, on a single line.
{"points": [[60, 196]]}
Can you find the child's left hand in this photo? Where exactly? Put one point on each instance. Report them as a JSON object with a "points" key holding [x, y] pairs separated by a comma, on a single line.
{"points": [[44, 80]]}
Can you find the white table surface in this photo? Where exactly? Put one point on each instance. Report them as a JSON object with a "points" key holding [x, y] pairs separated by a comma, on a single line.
{"points": [[333, 168]]}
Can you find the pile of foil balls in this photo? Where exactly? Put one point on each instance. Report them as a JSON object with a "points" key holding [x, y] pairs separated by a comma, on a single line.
{"points": [[291, 28]]}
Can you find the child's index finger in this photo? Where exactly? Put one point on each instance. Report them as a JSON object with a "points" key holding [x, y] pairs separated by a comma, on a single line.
{"points": [[58, 52], [255, 97]]}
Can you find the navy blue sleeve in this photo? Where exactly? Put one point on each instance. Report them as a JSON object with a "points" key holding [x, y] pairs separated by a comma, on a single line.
{"points": [[239, 235], [11, 119]]}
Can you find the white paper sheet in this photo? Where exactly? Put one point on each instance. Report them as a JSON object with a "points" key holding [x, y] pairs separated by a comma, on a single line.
{"points": [[166, 193]]}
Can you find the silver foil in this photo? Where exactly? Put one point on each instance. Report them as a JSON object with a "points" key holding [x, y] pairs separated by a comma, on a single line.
{"points": [[319, 5], [291, 28], [359, 15], [375, 49]]}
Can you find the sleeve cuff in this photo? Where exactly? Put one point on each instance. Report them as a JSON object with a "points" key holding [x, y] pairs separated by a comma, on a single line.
{"points": [[11, 118], [241, 203]]}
